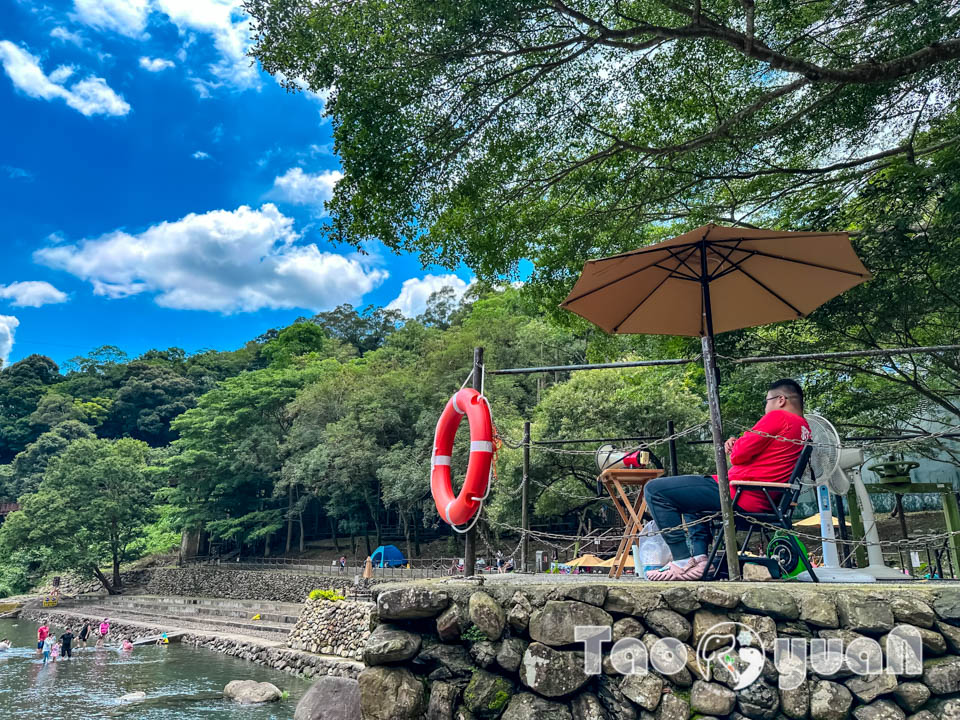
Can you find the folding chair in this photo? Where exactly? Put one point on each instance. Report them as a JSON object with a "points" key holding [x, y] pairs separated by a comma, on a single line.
{"points": [[780, 515]]}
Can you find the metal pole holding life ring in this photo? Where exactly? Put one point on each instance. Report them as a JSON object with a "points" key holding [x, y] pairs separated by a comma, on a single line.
{"points": [[460, 509]]}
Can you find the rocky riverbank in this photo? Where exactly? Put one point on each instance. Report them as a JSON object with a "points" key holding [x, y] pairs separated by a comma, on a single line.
{"points": [[261, 652]]}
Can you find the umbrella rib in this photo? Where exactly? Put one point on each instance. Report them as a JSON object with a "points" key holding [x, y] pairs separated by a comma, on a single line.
{"points": [[656, 264], [772, 292], [647, 297], [803, 262]]}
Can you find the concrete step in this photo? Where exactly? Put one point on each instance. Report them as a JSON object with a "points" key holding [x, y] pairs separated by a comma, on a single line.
{"points": [[248, 606], [212, 612], [165, 618]]}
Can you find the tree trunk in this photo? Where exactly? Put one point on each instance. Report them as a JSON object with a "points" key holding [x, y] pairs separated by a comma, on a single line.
{"points": [[366, 536], [117, 581], [266, 546], [406, 535], [333, 532], [106, 583], [302, 544], [416, 535], [289, 519]]}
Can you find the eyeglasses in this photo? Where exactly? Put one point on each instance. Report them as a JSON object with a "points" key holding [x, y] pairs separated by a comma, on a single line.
{"points": [[774, 397]]}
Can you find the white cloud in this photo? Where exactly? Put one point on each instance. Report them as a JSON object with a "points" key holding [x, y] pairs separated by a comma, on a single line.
{"points": [[90, 96], [223, 20], [225, 261], [155, 64], [300, 188], [32, 293], [64, 35], [415, 292], [8, 324], [60, 75], [200, 155], [15, 173], [127, 17]]}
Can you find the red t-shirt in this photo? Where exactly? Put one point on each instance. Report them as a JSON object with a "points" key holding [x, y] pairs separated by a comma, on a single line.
{"points": [[42, 633], [763, 459]]}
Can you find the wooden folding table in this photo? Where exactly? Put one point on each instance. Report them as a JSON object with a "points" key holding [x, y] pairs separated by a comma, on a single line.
{"points": [[615, 480]]}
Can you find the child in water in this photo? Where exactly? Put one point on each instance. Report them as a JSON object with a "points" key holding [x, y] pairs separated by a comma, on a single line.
{"points": [[54, 650], [47, 648], [127, 645]]}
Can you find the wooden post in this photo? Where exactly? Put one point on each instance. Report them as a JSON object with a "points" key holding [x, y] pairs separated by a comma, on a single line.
{"points": [[524, 511], [716, 428], [470, 539], [672, 444], [952, 515], [856, 526]]}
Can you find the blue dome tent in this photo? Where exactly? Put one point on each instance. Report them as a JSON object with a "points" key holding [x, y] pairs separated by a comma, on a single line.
{"points": [[388, 556]]}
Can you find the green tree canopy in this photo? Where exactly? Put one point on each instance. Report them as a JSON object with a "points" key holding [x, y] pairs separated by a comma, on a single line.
{"points": [[490, 131]]}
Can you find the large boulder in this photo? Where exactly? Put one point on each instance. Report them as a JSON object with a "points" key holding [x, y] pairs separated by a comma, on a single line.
{"points": [[942, 676], [487, 695], [819, 610], [759, 700], [390, 693], [411, 603], [867, 688], [911, 696], [864, 614], [880, 710], [711, 698], [510, 654], [616, 705], [795, 702], [330, 698], [910, 610], [627, 627], [947, 606], [624, 602], [249, 692], [587, 706], [667, 623], [487, 615], [590, 594], [552, 673], [772, 602], [829, 701], [443, 701], [556, 622], [527, 706], [673, 707], [389, 644], [519, 613], [715, 596], [451, 623], [682, 600], [450, 663], [643, 688], [711, 628]]}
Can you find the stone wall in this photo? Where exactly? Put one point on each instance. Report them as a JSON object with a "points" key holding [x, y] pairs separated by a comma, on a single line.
{"points": [[333, 628], [241, 584], [471, 650], [288, 660]]}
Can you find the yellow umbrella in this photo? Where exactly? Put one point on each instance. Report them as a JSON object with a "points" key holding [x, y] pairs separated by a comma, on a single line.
{"points": [[814, 521], [585, 561]]}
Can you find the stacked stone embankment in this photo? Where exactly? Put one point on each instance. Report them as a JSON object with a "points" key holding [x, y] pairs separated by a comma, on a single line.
{"points": [[241, 584], [328, 627], [508, 651]]}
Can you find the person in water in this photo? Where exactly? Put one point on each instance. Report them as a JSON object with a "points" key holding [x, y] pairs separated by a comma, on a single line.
{"points": [[85, 633], [42, 633], [66, 644], [104, 631], [47, 648], [54, 649], [163, 639], [4, 645], [127, 645]]}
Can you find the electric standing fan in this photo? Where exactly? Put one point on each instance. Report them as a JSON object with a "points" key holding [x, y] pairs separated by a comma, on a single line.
{"points": [[825, 464]]}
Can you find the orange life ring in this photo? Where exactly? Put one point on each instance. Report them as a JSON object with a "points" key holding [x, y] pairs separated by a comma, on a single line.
{"points": [[457, 510]]}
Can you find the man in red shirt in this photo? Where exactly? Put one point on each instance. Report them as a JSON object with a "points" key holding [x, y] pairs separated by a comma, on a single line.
{"points": [[756, 455]]}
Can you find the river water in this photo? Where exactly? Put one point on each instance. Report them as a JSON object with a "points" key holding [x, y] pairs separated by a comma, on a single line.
{"points": [[181, 682]]}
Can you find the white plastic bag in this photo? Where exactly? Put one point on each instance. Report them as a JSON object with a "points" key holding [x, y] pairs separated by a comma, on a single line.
{"points": [[651, 551]]}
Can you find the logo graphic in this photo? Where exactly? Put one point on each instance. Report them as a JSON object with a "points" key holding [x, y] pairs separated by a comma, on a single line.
{"points": [[731, 650]]}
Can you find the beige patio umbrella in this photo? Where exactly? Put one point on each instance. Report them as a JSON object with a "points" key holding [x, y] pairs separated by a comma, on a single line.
{"points": [[714, 279]]}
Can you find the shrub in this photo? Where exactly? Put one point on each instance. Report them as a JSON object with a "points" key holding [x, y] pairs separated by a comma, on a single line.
{"points": [[331, 595]]}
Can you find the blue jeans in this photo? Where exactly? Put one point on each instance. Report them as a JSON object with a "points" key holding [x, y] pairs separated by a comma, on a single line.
{"points": [[683, 498]]}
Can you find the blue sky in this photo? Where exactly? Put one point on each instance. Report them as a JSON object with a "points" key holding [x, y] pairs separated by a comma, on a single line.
{"points": [[157, 190]]}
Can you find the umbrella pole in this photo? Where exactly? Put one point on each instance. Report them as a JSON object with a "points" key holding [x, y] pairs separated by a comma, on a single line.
{"points": [[716, 427]]}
